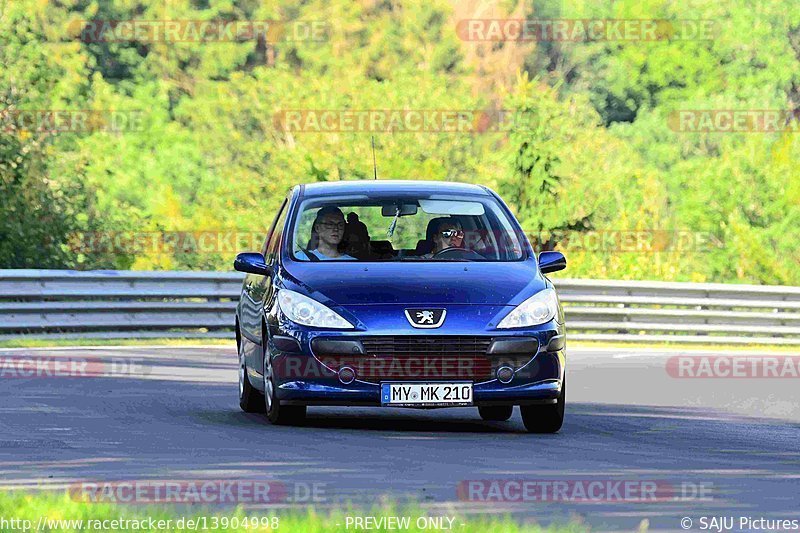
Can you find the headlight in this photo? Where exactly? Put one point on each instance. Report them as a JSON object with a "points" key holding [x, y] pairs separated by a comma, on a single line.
{"points": [[540, 308], [303, 310]]}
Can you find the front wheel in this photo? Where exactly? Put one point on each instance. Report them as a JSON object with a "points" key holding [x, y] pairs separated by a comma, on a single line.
{"points": [[545, 418], [496, 413], [278, 413]]}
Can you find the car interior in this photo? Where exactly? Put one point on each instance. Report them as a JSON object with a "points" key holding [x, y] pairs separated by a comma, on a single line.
{"points": [[402, 231], [358, 243]]}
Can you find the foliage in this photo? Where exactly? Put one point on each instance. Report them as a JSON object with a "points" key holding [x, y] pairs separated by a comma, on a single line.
{"points": [[594, 151]]}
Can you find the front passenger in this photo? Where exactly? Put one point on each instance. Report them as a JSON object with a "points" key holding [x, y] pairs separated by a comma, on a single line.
{"points": [[327, 233]]}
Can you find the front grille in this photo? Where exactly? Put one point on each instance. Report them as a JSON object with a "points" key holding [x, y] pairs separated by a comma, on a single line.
{"points": [[419, 358], [427, 345]]}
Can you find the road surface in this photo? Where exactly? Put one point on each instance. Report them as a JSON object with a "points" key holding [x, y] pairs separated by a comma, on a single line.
{"points": [[712, 446]]}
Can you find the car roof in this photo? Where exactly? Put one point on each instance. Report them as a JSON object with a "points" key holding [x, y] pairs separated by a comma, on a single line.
{"points": [[391, 186]]}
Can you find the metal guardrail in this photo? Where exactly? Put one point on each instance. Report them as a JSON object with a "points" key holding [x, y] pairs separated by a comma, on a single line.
{"points": [[127, 304]]}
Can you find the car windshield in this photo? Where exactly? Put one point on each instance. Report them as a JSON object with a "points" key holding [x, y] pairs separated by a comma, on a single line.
{"points": [[404, 228]]}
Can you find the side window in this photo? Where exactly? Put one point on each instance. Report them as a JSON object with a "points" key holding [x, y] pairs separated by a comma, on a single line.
{"points": [[271, 232], [275, 235]]}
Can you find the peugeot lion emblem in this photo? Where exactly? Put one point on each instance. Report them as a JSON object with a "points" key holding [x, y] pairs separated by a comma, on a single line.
{"points": [[425, 318]]}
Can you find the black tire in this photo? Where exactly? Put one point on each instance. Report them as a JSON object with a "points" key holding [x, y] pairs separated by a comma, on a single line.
{"points": [[277, 412], [250, 399], [545, 418], [496, 413]]}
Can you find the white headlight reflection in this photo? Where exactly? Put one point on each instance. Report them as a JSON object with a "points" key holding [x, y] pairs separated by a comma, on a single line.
{"points": [[540, 308], [309, 312]]}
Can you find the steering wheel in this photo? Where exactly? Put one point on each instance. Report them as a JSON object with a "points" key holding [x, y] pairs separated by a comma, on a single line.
{"points": [[455, 252]]}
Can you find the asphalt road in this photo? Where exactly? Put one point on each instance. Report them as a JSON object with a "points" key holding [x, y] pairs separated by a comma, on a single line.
{"points": [[713, 446]]}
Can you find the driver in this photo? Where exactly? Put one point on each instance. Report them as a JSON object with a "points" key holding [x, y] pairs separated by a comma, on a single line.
{"points": [[446, 234], [327, 232]]}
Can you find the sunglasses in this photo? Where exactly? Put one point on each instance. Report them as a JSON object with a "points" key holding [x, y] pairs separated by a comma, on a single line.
{"points": [[450, 233]]}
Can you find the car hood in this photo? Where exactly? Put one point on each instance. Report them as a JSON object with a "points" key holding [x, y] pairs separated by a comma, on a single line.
{"points": [[415, 283]]}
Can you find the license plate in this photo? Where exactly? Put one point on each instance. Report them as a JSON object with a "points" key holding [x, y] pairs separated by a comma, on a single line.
{"points": [[427, 394]]}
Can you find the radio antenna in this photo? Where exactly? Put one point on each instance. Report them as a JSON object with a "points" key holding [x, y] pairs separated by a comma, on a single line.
{"points": [[374, 161]]}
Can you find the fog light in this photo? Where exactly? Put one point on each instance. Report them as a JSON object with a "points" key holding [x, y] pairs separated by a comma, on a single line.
{"points": [[347, 375], [505, 374]]}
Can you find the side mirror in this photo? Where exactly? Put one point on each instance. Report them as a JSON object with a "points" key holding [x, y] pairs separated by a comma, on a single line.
{"points": [[552, 262], [252, 263]]}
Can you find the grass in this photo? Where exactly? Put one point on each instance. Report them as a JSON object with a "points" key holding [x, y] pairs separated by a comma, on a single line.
{"points": [[60, 507]]}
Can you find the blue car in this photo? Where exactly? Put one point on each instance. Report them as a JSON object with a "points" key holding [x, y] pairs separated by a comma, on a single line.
{"points": [[400, 294]]}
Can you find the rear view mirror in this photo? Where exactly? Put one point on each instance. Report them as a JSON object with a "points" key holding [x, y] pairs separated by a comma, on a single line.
{"points": [[390, 210], [552, 262], [252, 263]]}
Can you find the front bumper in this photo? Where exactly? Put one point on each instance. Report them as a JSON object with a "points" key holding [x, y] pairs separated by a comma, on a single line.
{"points": [[304, 377], [368, 394]]}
